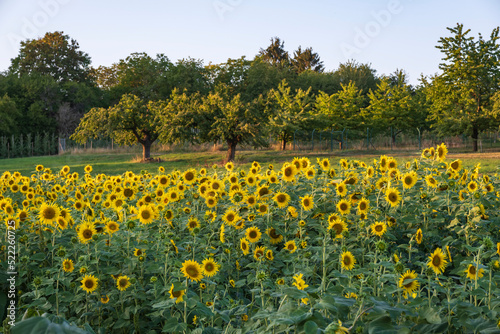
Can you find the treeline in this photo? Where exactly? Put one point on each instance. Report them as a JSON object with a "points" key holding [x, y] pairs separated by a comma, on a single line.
{"points": [[142, 99]]}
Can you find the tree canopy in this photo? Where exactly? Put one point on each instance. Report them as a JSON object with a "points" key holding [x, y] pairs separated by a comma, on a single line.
{"points": [[461, 97]]}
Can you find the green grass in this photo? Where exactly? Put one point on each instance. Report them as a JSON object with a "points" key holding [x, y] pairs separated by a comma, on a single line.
{"points": [[117, 163]]}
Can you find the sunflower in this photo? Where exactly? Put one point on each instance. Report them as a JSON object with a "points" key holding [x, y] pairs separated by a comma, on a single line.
{"points": [[209, 267], [177, 295], [111, 227], [253, 234], [338, 226], [146, 214], [473, 273], [437, 261], [408, 282], [455, 165], [139, 252], [262, 192], [274, 236], [363, 205], [251, 200], [472, 186], [324, 164], [347, 261], [86, 231], [189, 176], [216, 185], [288, 172], [498, 248], [281, 199], [307, 202], [230, 217], [245, 246], [89, 283], [431, 181], [441, 151], [192, 270], [310, 172], [370, 171], [104, 299], [419, 236], [123, 282], [344, 207], [392, 196], [263, 209], [409, 179], [299, 281], [68, 265], [269, 255], [344, 164], [378, 228], [49, 213], [237, 196], [193, 223], [382, 183], [341, 189], [290, 246], [259, 253]]}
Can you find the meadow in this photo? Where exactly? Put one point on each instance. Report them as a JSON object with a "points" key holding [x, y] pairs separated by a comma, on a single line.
{"points": [[274, 244]]}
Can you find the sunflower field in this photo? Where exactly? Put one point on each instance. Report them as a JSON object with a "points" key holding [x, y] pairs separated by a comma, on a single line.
{"points": [[307, 247]]}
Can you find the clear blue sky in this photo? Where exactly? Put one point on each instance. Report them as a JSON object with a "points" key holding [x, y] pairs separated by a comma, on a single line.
{"points": [[388, 34]]}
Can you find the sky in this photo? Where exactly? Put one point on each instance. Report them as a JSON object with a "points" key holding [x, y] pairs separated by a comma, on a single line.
{"points": [[387, 34]]}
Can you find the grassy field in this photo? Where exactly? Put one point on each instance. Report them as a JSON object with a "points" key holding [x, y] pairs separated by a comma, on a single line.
{"points": [[117, 163]]}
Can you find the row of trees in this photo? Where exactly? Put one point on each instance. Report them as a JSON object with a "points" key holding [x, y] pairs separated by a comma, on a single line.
{"points": [[143, 99]]}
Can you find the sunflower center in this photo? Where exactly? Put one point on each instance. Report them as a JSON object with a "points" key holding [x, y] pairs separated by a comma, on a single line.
{"points": [[192, 271], [87, 234], [472, 270], [189, 176], [343, 206], [244, 246], [145, 214], [362, 206], [230, 217], [306, 202], [119, 202], [290, 247], [252, 234], [49, 213], [379, 228], [176, 294], [436, 261], [281, 198], [128, 192], [347, 261], [123, 282], [454, 165], [288, 172], [209, 267], [338, 228], [273, 234], [89, 284], [393, 197]]}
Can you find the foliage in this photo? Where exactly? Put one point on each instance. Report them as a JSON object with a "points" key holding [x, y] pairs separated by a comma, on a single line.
{"points": [[461, 96], [9, 114], [289, 112], [130, 121], [306, 60], [55, 55], [304, 287]]}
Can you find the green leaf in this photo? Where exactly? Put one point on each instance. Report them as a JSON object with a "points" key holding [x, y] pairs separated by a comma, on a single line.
{"points": [[172, 325], [310, 327]]}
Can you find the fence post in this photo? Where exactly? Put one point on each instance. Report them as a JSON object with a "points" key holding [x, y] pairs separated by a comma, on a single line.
{"points": [[391, 138], [331, 141], [419, 140]]}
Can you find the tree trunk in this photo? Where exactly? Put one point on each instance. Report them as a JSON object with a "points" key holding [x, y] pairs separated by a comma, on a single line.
{"points": [[283, 144], [475, 135], [146, 150], [231, 151]]}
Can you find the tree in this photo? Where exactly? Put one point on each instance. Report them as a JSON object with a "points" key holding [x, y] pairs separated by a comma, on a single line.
{"points": [[226, 117], [290, 112], [8, 114], [55, 55], [390, 106], [306, 60], [275, 53], [130, 121], [361, 74], [461, 96], [342, 110]]}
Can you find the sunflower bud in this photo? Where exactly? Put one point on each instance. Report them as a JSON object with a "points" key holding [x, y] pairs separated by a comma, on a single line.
{"points": [[487, 243], [381, 245], [153, 279]]}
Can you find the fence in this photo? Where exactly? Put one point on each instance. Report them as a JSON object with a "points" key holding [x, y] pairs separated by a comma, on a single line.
{"points": [[28, 145]]}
